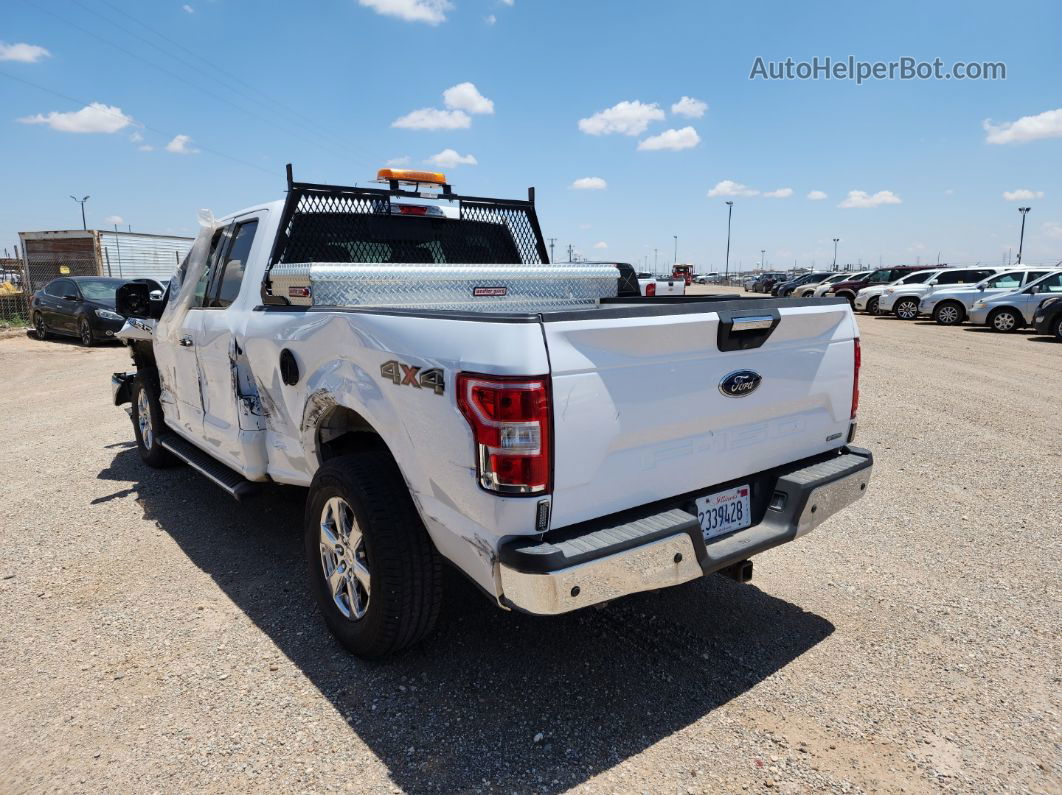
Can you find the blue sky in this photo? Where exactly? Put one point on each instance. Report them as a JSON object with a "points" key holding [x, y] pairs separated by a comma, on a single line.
{"points": [[208, 113]]}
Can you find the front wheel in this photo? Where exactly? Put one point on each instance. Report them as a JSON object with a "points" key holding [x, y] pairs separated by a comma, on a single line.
{"points": [[872, 306], [148, 424], [906, 309], [373, 569], [1004, 320], [949, 313], [84, 333]]}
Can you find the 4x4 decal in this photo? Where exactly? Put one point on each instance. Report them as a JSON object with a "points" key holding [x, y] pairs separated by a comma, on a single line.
{"points": [[407, 375]]}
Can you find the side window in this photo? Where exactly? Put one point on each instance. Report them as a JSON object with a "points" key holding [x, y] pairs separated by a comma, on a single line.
{"points": [[233, 265], [1032, 276], [951, 277], [1052, 284], [1005, 280], [55, 288], [204, 278]]}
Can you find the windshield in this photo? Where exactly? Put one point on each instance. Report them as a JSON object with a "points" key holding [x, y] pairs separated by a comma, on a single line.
{"points": [[99, 290], [919, 277]]}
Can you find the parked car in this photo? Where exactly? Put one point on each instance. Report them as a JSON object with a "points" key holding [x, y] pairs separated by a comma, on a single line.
{"points": [[949, 307], [650, 285], [849, 288], [866, 300], [517, 422], [786, 289], [903, 299], [1012, 311], [769, 280], [819, 290], [77, 306], [807, 290], [1048, 318]]}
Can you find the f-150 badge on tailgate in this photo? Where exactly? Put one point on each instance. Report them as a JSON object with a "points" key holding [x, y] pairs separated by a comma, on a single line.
{"points": [[740, 383]]}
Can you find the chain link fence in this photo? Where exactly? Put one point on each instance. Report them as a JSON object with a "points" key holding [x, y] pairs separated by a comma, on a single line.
{"points": [[20, 279]]}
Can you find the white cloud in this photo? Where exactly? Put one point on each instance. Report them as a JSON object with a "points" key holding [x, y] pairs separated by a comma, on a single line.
{"points": [[688, 106], [136, 137], [181, 145], [430, 11], [816, 195], [25, 53], [675, 140], [627, 118], [448, 158], [600, 244], [434, 119], [860, 198], [146, 148], [1022, 194], [1028, 128], [589, 183], [465, 96], [187, 9], [781, 193], [1052, 229], [509, 3], [584, 226], [490, 19], [404, 160], [94, 118], [949, 192], [111, 220], [730, 188]]}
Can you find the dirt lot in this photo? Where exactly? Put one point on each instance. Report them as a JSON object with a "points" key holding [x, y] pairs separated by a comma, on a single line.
{"points": [[157, 637]]}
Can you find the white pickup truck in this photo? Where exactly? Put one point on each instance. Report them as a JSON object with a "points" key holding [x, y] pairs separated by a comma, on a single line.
{"points": [[446, 395]]}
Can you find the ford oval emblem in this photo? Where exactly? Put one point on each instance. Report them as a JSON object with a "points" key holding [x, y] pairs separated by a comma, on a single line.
{"points": [[740, 383]]}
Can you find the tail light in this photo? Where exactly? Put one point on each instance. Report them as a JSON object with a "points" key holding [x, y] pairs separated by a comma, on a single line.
{"points": [[510, 419], [650, 289], [855, 378]]}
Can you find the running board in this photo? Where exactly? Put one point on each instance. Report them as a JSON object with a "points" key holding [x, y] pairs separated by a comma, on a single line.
{"points": [[230, 480]]}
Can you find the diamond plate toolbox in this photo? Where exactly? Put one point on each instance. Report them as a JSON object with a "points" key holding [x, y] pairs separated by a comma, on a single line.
{"points": [[466, 288]]}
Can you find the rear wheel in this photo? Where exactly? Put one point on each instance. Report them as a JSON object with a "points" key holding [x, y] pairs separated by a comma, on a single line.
{"points": [[84, 332], [949, 313], [1058, 329], [373, 569], [906, 309], [849, 297], [1004, 320], [39, 326]]}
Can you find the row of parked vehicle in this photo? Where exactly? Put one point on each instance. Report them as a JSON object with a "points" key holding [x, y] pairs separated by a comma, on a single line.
{"points": [[1003, 298]]}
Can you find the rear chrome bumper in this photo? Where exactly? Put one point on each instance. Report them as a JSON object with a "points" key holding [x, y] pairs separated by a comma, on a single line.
{"points": [[662, 546]]}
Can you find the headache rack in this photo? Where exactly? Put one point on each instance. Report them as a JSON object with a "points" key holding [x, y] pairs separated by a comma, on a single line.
{"points": [[341, 224]]}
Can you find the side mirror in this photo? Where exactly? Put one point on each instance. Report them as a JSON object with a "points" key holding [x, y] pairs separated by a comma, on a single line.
{"points": [[980, 287], [134, 299], [70, 297], [933, 283], [1033, 290]]}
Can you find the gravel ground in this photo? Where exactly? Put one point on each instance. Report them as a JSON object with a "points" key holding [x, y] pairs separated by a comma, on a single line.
{"points": [[158, 637]]}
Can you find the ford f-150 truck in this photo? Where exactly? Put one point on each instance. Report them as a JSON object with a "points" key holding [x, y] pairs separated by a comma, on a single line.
{"points": [[445, 394]]}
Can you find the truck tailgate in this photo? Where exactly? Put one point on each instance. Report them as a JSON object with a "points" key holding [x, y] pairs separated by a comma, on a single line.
{"points": [[639, 414]]}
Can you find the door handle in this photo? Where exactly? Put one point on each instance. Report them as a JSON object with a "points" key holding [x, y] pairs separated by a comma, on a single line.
{"points": [[185, 342]]}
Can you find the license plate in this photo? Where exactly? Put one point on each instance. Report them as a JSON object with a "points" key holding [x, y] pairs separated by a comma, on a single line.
{"points": [[724, 511]]}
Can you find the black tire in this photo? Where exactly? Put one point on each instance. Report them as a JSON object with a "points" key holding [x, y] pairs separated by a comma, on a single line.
{"points": [[402, 602], [906, 308], [872, 306], [847, 296], [40, 328], [148, 433], [998, 321], [1056, 329], [949, 313], [84, 332]]}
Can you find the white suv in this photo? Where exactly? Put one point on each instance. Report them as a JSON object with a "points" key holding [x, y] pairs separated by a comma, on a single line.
{"points": [[903, 301], [866, 300], [950, 307]]}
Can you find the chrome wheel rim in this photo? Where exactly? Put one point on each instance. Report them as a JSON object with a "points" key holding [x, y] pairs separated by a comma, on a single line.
{"points": [[1004, 321], [143, 420], [948, 315], [906, 310], [344, 561], [86, 332]]}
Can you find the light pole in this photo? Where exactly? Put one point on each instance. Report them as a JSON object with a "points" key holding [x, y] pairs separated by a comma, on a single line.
{"points": [[835, 252], [763, 257], [675, 260], [82, 201], [729, 214], [656, 270], [1021, 240]]}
